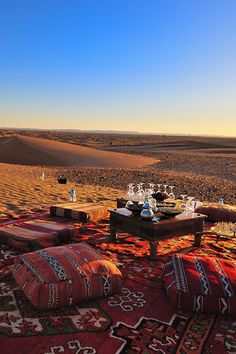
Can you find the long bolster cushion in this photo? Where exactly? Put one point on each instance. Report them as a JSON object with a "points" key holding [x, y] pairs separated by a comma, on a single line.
{"points": [[218, 212], [35, 234], [65, 275], [201, 284]]}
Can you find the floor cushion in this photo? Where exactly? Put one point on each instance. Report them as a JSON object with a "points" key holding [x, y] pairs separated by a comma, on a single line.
{"points": [[218, 212], [65, 275], [201, 284], [81, 212], [35, 234]]}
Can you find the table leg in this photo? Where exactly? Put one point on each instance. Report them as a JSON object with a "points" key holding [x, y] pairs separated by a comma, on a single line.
{"points": [[198, 239], [113, 234], [153, 249]]}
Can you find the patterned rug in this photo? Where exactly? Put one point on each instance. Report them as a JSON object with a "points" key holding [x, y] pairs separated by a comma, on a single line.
{"points": [[140, 319]]}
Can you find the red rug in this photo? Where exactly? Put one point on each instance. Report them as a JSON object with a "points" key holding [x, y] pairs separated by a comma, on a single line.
{"points": [[140, 319]]}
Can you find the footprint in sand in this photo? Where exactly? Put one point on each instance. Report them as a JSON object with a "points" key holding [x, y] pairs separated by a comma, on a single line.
{"points": [[38, 209], [11, 206], [101, 198], [14, 208], [23, 202]]}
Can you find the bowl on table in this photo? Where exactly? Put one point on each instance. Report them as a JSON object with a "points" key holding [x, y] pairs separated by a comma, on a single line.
{"points": [[169, 213], [160, 197], [166, 204], [134, 207]]}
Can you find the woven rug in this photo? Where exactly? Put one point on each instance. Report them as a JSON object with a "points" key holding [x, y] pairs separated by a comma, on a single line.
{"points": [[140, 319]]}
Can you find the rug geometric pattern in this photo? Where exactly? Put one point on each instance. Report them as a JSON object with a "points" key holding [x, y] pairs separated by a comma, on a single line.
{"points": [[139, 319]]}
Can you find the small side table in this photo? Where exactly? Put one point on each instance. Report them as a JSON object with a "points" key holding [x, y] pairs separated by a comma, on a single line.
{"points": [[224, 230]]}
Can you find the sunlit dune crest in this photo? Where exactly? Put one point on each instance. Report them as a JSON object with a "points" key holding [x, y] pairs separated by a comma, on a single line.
{"points": [[38, 151]]}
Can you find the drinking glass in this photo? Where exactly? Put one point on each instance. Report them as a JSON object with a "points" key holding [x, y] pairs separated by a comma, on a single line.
{"points": [[165, 189], [171, 194], [190, 204], [153, 203], [159, 188], [151, 188], [130, 191], [140, 192], [147, 193], [182, 205]]}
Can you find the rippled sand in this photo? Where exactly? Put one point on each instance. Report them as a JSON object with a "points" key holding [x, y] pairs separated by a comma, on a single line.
{"points": [[22, 190]]}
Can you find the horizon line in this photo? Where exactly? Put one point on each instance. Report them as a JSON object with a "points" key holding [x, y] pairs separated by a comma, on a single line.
{"points": [[110, 131]]}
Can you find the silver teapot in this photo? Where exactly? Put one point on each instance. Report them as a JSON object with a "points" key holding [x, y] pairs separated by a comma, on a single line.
{"points": [[147, 212]]}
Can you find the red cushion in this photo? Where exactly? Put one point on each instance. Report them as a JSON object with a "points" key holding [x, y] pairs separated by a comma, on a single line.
{"points": [[65, 275], [36, 234], [201, 284]]}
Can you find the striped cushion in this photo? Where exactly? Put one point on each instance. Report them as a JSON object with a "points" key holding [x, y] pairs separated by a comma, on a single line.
{"points": [[35, 234], [65, 275], [82, 212], [201, 284], [218, 212]]}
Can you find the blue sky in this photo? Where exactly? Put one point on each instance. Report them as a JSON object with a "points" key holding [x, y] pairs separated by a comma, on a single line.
{"points": [[163, 66]]}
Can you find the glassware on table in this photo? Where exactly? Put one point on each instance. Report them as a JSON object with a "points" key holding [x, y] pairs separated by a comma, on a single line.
{"points": [[130, 192], [153, 203], [171, 194], [165, 189], [140, 193], [159, 188], [151, 188], [183, 202], [129, 204], [147, 212], [147, 193], [190, 204], [141, 186]]}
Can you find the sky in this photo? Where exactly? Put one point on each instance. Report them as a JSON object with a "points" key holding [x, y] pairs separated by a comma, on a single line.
{"points": [[159, 66]]}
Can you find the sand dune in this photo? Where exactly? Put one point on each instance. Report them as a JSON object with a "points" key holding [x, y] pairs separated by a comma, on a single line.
{"points": [[16, 150], [37, 151], [204, 176]]}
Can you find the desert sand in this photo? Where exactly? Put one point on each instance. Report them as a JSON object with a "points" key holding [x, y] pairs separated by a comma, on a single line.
{"points": [[22, 190], [201, 167], [39, 151]]}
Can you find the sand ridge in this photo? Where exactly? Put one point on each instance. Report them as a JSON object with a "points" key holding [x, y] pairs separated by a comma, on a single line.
{"points": [[38, 151]]}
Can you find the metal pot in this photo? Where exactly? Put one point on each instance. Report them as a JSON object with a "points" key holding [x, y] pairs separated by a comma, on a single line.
{"points": [[147, 212]]}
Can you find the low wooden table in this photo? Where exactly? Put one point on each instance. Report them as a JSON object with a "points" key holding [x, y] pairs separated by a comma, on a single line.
{"points": [[153, 232]]}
